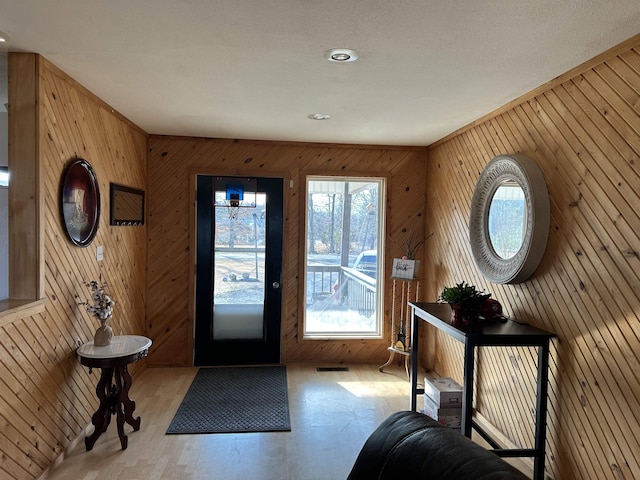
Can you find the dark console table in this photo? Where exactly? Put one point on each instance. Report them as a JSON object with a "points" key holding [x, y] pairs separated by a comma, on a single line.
{"points": [[113, 387], [496, 334]]}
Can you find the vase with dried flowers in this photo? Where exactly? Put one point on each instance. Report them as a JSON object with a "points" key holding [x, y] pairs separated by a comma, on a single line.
{"points": [[100, 306]]}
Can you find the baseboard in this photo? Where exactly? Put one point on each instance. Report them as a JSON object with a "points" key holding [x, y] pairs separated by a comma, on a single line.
{"points": [[73, 444]]}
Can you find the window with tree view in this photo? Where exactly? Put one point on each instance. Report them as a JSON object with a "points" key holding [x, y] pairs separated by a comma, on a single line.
{"points": [[343, 257]]}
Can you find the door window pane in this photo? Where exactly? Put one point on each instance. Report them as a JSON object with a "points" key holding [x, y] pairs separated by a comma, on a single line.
{"points": [[239, 268], [343, 257]]}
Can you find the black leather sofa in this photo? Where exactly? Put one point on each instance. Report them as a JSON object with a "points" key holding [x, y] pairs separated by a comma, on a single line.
{"points": [[410, 445]]}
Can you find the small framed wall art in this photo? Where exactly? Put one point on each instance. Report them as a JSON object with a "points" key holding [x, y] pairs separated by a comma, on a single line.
{"points": [[80, 202], [126, 206]]}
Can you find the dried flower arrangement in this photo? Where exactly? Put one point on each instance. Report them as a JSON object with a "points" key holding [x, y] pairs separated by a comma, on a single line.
{"points": [[101, 307]]}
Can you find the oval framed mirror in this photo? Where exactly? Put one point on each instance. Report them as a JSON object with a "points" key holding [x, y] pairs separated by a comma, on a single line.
{"points": [[509, 219]]}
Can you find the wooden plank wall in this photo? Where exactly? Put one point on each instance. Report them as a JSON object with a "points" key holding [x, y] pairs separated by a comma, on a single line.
{"points": [[172, 163], [46, 397], [584, 132]]}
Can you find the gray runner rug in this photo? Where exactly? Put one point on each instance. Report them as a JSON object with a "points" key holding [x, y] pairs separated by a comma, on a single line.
{"points": [[233, 400]]}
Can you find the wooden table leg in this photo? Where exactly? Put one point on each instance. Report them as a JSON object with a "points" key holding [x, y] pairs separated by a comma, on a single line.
{"points": [[125, 406], [102, 417], [113, 392], [129, 405], [406, 366], [124, 440], [391, 355]]}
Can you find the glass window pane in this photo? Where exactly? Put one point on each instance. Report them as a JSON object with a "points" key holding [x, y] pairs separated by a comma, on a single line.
{"points": [[343, 256], [238, 283]]}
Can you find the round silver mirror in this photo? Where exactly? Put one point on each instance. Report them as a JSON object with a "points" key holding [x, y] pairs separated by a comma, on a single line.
{"points": [[509, 220]]}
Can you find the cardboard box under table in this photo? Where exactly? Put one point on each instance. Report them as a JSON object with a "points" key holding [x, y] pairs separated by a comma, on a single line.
{"points": [[449, 417], [444, 391]]}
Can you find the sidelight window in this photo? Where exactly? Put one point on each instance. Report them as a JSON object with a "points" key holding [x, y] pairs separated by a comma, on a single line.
{"points": [[343, 257]]}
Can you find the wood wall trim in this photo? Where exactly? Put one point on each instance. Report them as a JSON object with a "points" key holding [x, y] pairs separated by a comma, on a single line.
{"points": [[250, 172], [12, 310], [25, 225], [190, 336]]}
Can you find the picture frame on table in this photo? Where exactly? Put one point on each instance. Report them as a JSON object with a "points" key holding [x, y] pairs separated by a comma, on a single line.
{"points": [[404, 268]]}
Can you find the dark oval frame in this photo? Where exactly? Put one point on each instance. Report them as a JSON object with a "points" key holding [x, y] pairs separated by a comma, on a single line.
{"points": [[80, 202]]}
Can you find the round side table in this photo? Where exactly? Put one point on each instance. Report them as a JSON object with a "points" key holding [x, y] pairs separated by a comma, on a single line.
{"points": [[114, 384]]}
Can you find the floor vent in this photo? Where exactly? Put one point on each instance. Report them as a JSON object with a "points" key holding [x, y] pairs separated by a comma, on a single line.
{"points": [[332, 369]]}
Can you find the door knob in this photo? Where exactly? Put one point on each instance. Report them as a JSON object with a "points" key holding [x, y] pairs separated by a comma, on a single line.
{"points": [[276, 285]]}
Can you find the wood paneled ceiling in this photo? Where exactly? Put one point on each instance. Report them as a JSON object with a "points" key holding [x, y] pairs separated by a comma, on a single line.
{"points": [[255, 69]]}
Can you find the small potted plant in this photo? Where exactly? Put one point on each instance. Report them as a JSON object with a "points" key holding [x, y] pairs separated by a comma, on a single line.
{"points": [[465, 301], [407, 266]]}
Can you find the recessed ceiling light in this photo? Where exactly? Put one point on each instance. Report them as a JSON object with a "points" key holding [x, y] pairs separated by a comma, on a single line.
{"points": [[341, 55], [3, 37], [319, 116]]}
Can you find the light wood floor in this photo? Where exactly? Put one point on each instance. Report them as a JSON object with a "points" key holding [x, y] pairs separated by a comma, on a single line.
{"points": [[332, 414]]}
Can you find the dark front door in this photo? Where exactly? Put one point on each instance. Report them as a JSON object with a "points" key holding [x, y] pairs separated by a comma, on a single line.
{"points": [[239, 225]]}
